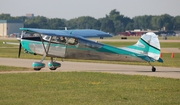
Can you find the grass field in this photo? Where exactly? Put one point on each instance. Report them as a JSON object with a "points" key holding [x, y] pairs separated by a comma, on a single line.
{"points": [[86, 88]]}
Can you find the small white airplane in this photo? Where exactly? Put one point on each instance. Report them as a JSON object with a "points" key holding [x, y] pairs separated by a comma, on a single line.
{"points": [[74, 45]]}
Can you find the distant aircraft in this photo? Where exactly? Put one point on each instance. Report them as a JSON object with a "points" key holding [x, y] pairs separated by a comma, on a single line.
{"points": [[74, 45]]}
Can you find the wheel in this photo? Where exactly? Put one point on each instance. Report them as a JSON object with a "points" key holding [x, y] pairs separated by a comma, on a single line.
{"points": [[37, 69], [38, 65], [153, 69], [52, 68], [54, 65]]}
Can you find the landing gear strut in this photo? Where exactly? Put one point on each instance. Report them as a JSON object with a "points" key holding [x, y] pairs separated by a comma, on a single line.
{"points": [[38, 65], [153, 68]]}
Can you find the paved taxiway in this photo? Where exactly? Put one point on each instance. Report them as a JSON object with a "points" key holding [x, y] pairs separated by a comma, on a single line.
{"points": [[167, 72]]}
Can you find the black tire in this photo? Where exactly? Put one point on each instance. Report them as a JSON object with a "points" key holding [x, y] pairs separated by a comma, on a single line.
{"points": [[153, 69], [37, 69], [52, 68]]}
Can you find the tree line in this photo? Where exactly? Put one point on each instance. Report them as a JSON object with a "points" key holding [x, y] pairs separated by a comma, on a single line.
{"points": [[113, 22]]}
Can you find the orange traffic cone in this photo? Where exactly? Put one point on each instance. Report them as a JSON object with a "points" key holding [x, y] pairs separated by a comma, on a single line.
{"points": [[172, 55], [160, 55]]}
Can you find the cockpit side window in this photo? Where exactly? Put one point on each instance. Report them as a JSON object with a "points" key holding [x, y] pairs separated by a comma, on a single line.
{"points": [[25, 34], [73, 41], [55, 39], [47, 38], [62, 39]]}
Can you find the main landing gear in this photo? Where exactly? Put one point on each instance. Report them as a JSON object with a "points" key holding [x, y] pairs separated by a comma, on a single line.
{"points": [[38, 65], [153, 68], [52, 65]]}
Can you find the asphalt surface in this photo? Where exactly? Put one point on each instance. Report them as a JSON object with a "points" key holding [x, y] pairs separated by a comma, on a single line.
{"points": [[166, 72]]}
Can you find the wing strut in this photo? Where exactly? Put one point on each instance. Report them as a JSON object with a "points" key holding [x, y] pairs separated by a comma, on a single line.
{"points": [[46, 49]]}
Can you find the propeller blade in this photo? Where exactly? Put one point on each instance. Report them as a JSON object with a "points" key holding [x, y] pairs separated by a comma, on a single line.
{"points": [[19, 50]]}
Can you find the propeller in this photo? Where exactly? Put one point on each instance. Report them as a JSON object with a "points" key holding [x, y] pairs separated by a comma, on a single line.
{"points": [[20, 46], [19, 53]]}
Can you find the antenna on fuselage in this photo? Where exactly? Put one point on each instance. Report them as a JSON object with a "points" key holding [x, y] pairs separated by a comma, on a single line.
{"points": [[65, 28]]}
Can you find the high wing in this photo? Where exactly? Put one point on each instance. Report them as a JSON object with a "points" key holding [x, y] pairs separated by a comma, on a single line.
{"points": [[79, 33]]}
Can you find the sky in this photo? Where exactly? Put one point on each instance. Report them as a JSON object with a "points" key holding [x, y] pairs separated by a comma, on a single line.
{"points": [[69, 9]]}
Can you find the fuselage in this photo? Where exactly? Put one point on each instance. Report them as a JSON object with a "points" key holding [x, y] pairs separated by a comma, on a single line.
{"points": [[83, 49]]}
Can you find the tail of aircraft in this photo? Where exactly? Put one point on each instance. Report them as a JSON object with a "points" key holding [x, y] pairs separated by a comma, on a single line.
{"points": [[147, 47]]}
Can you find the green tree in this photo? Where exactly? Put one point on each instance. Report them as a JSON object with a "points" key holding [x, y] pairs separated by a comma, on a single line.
{"points": [[177, 23], [36, 22], [6, 17], [167, 21], [55, 23], [84, 22], [107, 25], [155, 23], [114, 22], [120, 21]]}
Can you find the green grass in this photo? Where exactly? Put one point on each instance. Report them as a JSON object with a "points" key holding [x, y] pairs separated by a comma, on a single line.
{"points": [[87, 88], [170, 44]]}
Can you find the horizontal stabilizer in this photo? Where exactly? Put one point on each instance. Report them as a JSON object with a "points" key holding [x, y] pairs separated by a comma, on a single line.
{"points": [[160, 60], [146, 58], [11, 43]]}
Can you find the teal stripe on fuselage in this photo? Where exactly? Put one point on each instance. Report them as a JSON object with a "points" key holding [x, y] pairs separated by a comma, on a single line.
{"points": [[111, 49], [25, 44], [103, 48]]}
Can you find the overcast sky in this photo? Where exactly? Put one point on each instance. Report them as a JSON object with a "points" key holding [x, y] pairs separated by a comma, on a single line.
{"points": [[69, 9]]}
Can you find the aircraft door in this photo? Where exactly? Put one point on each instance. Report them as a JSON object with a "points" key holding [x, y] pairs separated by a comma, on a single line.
{"points": [[58, 46]]}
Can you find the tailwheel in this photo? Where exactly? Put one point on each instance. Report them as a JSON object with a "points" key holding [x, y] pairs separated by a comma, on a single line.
{"points": [[38, 65], [153, 69], [53, 65]]}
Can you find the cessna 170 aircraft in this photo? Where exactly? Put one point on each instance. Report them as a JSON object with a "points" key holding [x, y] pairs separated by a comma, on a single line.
{"points": [[73, 44]]}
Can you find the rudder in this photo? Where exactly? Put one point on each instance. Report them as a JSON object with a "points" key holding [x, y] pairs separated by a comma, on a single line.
{"points": [[147, 45]]}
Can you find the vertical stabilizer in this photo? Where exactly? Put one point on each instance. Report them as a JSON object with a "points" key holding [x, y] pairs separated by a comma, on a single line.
{"points": [[153, 44], [147, 45]]}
